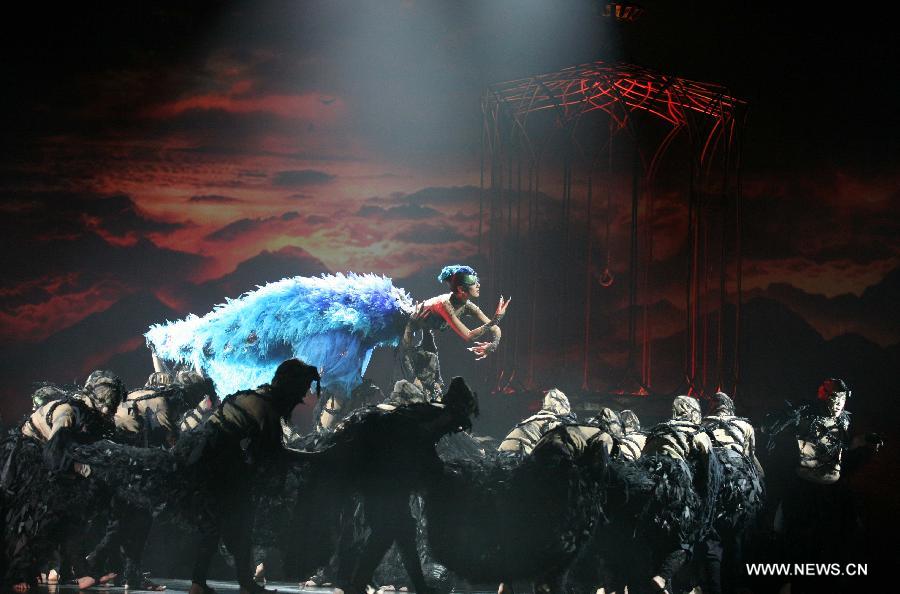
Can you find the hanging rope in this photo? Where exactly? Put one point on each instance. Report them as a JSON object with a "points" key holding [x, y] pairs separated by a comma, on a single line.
{"points": [[723, 271], [516, 280], [645, 282], [703, 310], [633, 261], [587, 287], [564, 285], [533, 277], [607, 278], [689, 281], [739, 260]]}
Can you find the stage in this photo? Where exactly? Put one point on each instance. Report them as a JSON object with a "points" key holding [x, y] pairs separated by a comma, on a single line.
{"points": [[183, 586]]}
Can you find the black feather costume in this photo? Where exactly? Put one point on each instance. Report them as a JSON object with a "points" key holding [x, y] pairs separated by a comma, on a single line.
{"points": [[508, 519], [42, 501], [383, 455]]}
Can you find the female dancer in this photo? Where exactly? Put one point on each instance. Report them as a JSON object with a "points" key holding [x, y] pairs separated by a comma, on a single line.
{"points": [[334, 322], [419, 363], [450, 307]]}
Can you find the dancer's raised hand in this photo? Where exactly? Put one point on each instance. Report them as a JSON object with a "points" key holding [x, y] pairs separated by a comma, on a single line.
{"points": [[481, 349], [501, 308]]}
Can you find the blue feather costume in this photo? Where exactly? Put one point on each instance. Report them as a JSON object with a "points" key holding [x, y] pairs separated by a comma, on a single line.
{"points": [[333, 322]]}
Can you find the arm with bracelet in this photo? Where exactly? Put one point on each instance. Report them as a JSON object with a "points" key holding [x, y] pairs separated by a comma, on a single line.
{"points": [[481, 349], [450, 308]]}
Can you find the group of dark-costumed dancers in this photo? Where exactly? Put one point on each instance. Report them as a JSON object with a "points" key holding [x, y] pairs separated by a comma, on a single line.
{"points": [[397, 489]]}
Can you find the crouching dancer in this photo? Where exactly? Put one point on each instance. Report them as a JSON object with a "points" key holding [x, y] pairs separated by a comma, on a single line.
{"points": [[43, 498], [555, 411], [208, 474], [685, 479], [740, 497], [215, 458]]}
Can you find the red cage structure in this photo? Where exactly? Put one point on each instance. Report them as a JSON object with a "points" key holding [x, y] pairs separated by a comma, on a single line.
{"points": [[610, 208]]}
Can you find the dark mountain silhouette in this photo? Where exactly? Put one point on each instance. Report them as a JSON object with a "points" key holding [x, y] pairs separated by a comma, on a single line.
{"points": [[664, 317], [782, 357], [70, 354], [262, 268], [873, 314], [463, 195], [102, 332]]}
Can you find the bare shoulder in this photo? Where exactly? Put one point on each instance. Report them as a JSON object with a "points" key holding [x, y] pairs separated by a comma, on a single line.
{"points": [[60, 410], [439, 301]]}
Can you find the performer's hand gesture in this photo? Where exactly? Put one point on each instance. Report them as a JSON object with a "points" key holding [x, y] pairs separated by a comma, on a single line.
{"points": [[481, 349], [501, 308], [419, 311]]}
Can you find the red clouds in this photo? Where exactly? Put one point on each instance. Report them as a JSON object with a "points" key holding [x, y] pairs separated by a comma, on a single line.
{"points": [[57, 309], [310, 107]]}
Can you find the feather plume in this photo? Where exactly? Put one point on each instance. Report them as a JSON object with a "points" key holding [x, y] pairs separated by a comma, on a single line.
{"points": [[333, 322]]}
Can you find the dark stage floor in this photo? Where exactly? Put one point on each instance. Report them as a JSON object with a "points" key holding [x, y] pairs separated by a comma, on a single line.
{"points": [[182, 587]]}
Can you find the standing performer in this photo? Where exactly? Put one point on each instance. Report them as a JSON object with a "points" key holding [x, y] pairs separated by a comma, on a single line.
{"points": [[811, 460], [334, 322]]}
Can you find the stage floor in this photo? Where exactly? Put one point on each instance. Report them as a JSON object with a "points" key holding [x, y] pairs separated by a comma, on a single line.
{"points": [[182, 587]]}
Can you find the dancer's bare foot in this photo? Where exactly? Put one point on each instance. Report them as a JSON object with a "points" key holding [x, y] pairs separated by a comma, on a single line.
{"points": [[504, 588], [259, 573], [85, 582], [660, 583], [108, 577], [52, 577], [21, 587]]}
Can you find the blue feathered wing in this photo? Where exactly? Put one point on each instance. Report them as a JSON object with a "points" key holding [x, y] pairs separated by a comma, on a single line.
{"points": [[333, 322]]}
